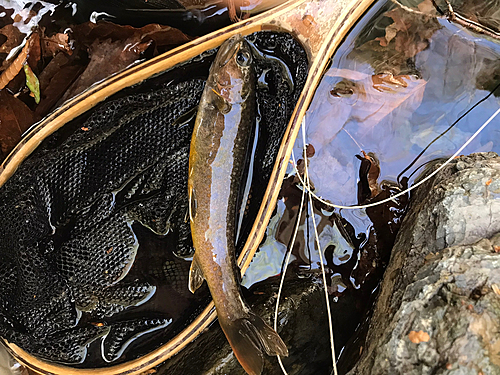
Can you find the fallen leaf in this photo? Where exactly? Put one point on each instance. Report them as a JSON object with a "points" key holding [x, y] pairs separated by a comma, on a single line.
{"points": [[418, 337], [15, 118], [88, 32], [34, 51], [106, 58], [32, 83], [17, 64], [428, 7], [14, 38], [55, 79], [55, 44], [407, 35], [114, 47]]}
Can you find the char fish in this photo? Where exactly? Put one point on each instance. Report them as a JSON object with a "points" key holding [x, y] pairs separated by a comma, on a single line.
{"points": [[216, 161]]}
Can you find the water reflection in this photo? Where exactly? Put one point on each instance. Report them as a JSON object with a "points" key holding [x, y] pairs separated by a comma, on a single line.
{"points": [[395, 85]]}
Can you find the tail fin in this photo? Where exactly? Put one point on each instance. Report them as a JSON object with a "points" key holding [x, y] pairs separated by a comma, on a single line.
{"points": [[250, 337]]}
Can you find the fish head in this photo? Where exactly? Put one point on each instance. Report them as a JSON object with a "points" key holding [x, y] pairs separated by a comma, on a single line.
{"points": [[233, 71]]}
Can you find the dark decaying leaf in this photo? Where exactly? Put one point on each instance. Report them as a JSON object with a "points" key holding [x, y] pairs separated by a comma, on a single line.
{"points": [[106, 57], [406, 35], [35, 51], [55, 79], [88, 32], [12, 38], [67, 70], [113, 48], [15, 118], [56, 43]]}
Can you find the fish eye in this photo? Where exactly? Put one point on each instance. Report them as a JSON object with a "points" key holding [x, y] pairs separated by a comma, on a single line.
{"points": [[243, 58]]}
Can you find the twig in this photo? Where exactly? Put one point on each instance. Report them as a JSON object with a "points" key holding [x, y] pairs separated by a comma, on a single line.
{"points": [[452, 16]]}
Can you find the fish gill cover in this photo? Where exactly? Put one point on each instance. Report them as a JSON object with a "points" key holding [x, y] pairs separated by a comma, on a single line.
{"points": [[75, 213]]}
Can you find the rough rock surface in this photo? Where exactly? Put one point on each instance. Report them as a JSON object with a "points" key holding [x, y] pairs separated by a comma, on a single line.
{"points": [[439, 307]]}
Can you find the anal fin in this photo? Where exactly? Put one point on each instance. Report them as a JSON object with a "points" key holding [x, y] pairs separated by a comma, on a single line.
{"points": [[195, 275]]}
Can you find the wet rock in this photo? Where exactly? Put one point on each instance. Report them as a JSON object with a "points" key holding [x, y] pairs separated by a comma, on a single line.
{"points": [[302, 328], [439, 307]]}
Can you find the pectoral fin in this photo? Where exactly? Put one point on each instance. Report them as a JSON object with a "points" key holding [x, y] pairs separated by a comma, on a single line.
{"points": [[221, 103], [195, 276]]}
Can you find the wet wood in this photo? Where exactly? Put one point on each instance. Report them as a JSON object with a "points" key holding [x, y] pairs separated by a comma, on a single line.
{"points": [[319, 25]]}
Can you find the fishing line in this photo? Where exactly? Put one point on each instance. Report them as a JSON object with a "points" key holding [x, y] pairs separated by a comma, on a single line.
{"points": [[306, 187], [391, 199], [446, 131], [283, 272], [306, 172]]}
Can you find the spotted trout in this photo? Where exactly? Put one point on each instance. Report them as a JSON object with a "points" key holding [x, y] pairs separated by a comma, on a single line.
{"points": [[217, 156]]}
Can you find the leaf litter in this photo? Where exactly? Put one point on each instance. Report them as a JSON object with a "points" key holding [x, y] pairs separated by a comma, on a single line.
{"points": [[52, 68]]}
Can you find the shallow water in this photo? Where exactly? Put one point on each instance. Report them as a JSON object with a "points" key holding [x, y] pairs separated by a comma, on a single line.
{"points": [[396, 83], [391, 100]]}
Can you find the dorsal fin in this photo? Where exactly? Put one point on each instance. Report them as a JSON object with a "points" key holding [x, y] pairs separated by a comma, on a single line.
{"points": [[196, 277]]}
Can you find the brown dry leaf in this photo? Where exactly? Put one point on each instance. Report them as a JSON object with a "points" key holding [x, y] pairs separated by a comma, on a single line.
{"points": [[418, 337], [114, 47], [34, 51], [56, 43], [409, 32], [406, 36], [376, 96], [428, 7], [55, 79], [88, 32], [30, 53], [15, 118], [14, 38], [106, 58]]}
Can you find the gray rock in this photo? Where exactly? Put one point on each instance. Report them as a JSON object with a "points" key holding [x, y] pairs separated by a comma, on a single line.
{"points": [[438, 311]]}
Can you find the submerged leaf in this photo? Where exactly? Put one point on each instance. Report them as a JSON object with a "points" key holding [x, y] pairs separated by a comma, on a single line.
{"points": [[15, 66], [15, 118], [56, 43], [32, 83], [113, 47], [106, 58], [55, 79], [407, 35], [14, 38]]}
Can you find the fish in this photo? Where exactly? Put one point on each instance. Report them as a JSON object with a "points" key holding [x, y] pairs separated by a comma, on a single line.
{"points": [[218, 151]]}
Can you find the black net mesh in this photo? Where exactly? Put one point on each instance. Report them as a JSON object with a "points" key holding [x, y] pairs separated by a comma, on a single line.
{"points": [[68, 215]]}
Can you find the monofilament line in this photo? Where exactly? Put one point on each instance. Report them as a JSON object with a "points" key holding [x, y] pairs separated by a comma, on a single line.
{"points": [[283, 273], [318, 245], [391, 199]]}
